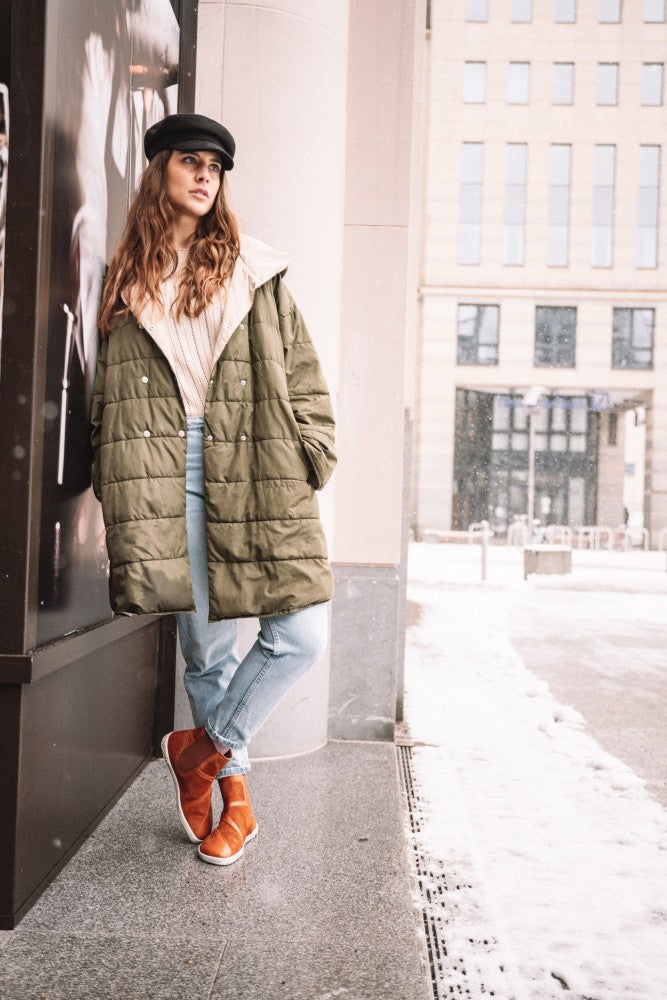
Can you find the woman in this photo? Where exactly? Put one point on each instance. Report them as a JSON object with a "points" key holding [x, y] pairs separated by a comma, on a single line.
{"points": [[212, 429]]}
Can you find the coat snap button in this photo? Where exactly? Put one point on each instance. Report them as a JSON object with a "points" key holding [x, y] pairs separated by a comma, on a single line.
{"points": [[243, 382], [147, 434], [181, 434], [241, 327], [209, 437], [243, 437], [144, 378]]}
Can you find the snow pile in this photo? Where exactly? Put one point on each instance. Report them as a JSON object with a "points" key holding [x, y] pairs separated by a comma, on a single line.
{"points": [[559, 855]]}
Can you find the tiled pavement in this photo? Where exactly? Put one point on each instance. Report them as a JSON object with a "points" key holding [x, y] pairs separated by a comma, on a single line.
{"points": [[319, 908]]}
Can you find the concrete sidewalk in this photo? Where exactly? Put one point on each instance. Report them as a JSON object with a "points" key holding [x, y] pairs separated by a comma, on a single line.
{"points": [[319, 907]]}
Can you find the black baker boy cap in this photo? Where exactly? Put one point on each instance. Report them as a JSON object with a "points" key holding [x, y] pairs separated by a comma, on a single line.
{"points": [[190, 133]]}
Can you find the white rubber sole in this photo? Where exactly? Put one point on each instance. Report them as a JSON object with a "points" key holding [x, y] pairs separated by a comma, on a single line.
{"points": [[192, 837], [210, 860]]}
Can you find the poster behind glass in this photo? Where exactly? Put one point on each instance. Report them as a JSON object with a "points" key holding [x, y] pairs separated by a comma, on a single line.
{"points": [[114, 72]]}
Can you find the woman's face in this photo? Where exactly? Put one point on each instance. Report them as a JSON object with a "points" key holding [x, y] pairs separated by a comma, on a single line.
{"points": [[193, 181]]}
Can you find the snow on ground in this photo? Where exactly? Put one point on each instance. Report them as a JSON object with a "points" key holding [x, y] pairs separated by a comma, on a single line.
{"points": [[564, 852]]}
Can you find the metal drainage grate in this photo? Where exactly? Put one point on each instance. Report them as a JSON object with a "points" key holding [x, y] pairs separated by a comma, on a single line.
{"points": [[468, 968]]}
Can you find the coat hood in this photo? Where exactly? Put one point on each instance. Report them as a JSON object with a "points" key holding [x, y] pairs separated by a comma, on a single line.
{"points": [[256, 264], [260, 260]]}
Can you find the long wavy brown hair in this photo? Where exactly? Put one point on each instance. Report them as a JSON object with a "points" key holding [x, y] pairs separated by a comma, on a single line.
{"points": [[146, 255]]}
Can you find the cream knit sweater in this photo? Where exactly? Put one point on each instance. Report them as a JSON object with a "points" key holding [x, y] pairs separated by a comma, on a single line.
{"points": [[190, 343]]}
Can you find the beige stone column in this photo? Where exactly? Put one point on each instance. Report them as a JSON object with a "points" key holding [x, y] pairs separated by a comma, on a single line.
{"points": [[379, 304], [275, 74], [656, 463]]}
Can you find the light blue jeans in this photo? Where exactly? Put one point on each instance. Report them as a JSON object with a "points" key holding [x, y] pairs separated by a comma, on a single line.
{"points": [[232, 698]]}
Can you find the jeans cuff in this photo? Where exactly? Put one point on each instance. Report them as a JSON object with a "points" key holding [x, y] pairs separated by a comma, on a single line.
{"points": [[232, 768], [219, 742]]}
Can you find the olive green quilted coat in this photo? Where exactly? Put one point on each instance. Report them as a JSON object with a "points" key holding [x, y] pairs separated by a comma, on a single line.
{"points": [[268, 445]]}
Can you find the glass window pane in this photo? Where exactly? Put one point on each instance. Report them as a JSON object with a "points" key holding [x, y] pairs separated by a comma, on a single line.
{"points": [[578, 418], [518, 83], [605, 161], [513, 245], [520, 10], [559, 205], [558, 442], [647, 206], [610, 11], [565, 12], [500, 442], [578, 443], [520, 422], [555, 336], [642, 327], [602, 248], [603, 206], [649, 165], [651, 92], [471, 203], [477, 335], [654, 11], [607, 83], [647, 248], [542, 419], [602, 233], [519, 442], [562, 83], [515, 204], [632, 345], [474, 83], [501, 413], [559, 164], [648, 198], [558, 417]]}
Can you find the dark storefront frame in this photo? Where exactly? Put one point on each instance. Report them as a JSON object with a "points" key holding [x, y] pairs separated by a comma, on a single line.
{"points": [[80, 714], [491, 461]]}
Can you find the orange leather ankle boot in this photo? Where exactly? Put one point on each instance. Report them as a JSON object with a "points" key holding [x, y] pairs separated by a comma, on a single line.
{"points": [[193, 787], [237, 824]]}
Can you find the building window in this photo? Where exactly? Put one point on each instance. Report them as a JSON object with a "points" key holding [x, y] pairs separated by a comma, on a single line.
{"points": [[647, 206], [514, 229], [518, 83], [520, 10], [470, 227], [562, 83], [474, 83], [652, 74], [633, 338], [566, 11], [610, 11], [602, 238], [559, 205], [555, 339], [654, 11], [606, 91], [477, 342], [477, 10]]}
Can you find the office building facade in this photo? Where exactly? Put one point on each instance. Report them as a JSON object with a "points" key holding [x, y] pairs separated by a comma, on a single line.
{"points": [[543, 266]]}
